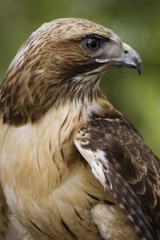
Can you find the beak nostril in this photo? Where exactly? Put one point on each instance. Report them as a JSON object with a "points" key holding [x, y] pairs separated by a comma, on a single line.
{"points": [[125, 51]]}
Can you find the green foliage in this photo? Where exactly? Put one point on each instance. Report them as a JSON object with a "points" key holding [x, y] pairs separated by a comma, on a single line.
{"points": [[136, 22]]}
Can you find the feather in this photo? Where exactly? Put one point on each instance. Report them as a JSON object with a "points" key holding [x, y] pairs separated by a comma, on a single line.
{"points": [[121, 161]]}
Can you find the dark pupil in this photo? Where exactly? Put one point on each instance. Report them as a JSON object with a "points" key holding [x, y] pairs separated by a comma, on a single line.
{"points": [[92, 43]]}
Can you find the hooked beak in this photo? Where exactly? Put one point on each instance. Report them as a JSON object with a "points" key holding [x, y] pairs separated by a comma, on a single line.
{"points": [[126, 57], [130, 58]]}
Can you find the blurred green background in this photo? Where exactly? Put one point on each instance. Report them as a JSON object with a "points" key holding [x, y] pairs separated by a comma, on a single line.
{"points": [[136, 22]]}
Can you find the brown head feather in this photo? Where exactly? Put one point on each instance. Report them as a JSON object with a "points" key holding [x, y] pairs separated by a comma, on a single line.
{"points": [[51, 67]]}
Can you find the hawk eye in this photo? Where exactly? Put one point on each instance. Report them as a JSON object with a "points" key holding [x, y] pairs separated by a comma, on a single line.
{"points": [[93, 44]]}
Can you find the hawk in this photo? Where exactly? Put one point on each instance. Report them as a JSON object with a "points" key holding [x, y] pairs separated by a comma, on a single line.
{"points": [[71, 165]]}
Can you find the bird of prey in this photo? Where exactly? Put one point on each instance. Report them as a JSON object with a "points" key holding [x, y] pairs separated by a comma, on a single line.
{"points": [[71, 165]]}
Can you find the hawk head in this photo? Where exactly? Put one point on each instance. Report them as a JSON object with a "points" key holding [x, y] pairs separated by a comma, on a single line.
{"points": [[62, 60]]}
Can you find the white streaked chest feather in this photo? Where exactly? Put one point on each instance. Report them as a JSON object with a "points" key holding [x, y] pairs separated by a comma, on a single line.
{"points": [[42, 172], [37, 148]]}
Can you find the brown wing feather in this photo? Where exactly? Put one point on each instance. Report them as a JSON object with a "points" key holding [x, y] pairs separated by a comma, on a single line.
{"points": [[131, 170]]}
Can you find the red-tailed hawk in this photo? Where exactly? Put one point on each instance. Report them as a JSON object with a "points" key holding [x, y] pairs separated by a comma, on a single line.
{"points": [[71, 165]]}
